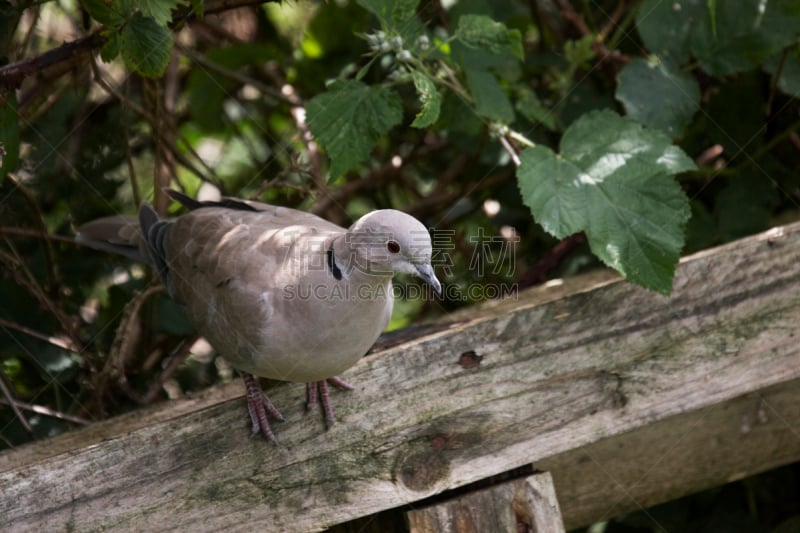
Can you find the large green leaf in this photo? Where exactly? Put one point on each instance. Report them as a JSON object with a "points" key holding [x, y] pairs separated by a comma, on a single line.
{"points": [[146, 45], [613, 180], [658, 95], [348, 119]]}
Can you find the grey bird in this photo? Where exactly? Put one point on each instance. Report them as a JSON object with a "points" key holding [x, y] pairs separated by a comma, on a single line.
{"points": [[280, 293]]}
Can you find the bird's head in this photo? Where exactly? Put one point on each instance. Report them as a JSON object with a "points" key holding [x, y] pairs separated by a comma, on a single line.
{"points": [[388, 241]]}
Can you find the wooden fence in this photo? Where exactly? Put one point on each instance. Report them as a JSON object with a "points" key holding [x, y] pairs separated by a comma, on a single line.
{"points": [[627, 398]]}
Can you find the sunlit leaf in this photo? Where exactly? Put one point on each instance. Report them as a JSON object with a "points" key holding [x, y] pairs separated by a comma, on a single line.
{"points": [[613, 180]]}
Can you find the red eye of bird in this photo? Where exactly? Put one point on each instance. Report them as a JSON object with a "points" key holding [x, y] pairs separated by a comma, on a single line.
{"points": [[393, 247]]}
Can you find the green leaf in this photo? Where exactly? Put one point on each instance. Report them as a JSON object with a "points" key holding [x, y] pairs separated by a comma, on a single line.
{"points": [[146, 45], [665, 27], [349, 118], [490, 100], [110, 49], [658, 95], [747, 33], [480, 31], [160, 10], [105, 12], [613, 180], [531, 108], [9, 132], [429, 98], [392, 13]]}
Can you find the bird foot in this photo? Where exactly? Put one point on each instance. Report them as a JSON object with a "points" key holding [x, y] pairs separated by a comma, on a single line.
{"points": [[319, 392], [259, 406]]}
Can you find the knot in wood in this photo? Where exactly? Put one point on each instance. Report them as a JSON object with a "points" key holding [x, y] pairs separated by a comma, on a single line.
{"points": [[422, 470], [469, 360]]}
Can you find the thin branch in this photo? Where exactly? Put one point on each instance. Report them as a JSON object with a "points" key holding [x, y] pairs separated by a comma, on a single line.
{"points": [[25, 279], [60, 343], [153, 121], [46, 411], [39, 234], [71, 54], [577, 20], [39, 220], [773, 84], [235, 75], [510, 150], [13, 403], [126, 130], [551, 260], [172, 365], [449, 197], [613, 20]]}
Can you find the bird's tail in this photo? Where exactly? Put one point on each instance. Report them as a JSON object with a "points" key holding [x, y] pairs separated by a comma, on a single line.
{"points": [[116, 234], [139, 238]]}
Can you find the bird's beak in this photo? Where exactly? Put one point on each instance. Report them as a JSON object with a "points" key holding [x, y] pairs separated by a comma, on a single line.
{"points": [[425, 271]]}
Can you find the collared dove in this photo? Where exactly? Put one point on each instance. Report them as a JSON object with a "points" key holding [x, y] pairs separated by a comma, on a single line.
{"points": [[280, 293]]}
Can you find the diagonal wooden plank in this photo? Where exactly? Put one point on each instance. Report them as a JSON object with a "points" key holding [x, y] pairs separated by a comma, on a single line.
{"points": [[560, 368], [679, 455]]}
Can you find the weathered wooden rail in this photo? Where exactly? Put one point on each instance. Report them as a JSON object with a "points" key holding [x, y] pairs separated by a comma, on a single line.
{"points": [[626, 397]]}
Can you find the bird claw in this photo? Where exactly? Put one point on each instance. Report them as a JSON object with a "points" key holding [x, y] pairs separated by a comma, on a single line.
{"points": [[319, 392], [259, 406]]}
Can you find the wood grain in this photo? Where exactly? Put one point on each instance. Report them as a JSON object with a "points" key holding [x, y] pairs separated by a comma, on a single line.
{"points": [[561, 368]]}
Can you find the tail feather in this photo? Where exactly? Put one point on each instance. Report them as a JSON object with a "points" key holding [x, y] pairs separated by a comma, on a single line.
{"points": [[116, 234], [139, 238]]}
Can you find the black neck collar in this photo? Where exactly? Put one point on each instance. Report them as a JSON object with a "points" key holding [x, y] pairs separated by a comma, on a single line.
{"points": [[337, 273]]}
